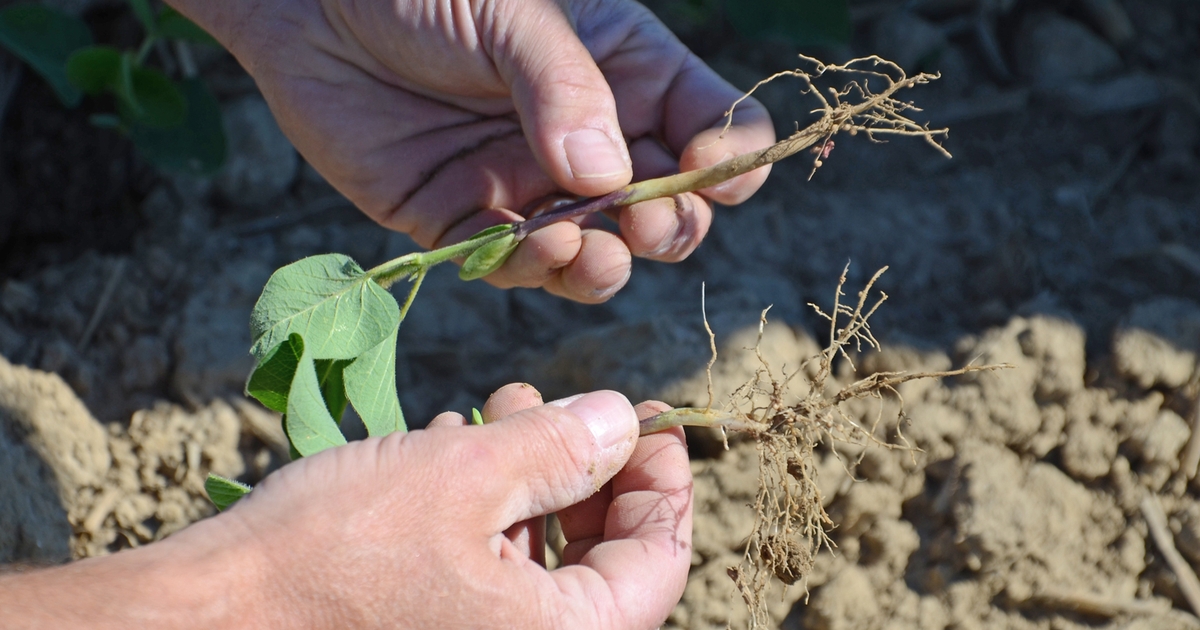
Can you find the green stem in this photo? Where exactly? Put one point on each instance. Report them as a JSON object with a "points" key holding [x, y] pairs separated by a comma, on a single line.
{"points": [[839, 118], [406, 266], [696, 417], [144, 50], [412, 293], [410, 265], [680, 183]]}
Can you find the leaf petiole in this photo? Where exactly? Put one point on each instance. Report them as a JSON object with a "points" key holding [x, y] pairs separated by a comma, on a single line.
{"points": [[412, 293], [144, 50], [410, 265]]}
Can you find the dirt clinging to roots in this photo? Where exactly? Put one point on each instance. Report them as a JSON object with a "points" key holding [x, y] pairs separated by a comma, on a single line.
{"points": [[791, 523]]}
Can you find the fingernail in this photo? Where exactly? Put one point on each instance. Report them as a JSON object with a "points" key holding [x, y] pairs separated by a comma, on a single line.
{"points": [[592, 155], [608, 414], [563, 402]]}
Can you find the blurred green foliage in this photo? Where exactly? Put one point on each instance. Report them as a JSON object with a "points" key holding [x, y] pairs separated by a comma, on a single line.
{"points": [[799, 22], [175, 125]]}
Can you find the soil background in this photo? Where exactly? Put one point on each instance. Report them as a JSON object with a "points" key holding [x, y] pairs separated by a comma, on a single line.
{"points": [[1064, 238]]}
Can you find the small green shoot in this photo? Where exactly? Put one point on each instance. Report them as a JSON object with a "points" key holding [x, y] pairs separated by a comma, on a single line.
{"points": [[476, 417]]}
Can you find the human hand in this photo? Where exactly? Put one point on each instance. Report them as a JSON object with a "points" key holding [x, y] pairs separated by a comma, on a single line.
{"points": [[439, 119], [409, 530]]}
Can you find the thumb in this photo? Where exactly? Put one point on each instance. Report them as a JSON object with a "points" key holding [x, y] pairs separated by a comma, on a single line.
{"points": [[566, 106], [550, 457]]}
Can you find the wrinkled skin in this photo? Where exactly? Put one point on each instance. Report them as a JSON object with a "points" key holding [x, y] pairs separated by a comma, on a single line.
{"points": [[430, 529], [441, 118]]}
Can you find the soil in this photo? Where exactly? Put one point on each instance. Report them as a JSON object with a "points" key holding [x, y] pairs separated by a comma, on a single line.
{"points": [[1063, 238]]}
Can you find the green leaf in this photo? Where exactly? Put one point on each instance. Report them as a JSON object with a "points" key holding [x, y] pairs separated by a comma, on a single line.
{"points": [[333, 388], [45, 38], [800, 22], [293, 454], [371, 386], [310, 427], [329, 300], [151, 99], [476, 417], [172, 25], [224, 492], [272, 378], [107, 121], [488, 258], [287, 380], [495, 229], [163, 104], [197, 146], [145, 15], [95, 69], [127, 103]]}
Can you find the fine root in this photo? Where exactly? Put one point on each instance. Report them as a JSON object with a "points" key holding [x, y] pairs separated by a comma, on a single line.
{"points": [[791, 525], [857, 107]]}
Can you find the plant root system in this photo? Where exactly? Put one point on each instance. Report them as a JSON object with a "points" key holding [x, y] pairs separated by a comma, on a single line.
{"points": [[790, 521]]}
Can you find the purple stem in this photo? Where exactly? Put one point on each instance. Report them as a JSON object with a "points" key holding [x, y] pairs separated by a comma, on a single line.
{"points": [[579, 208]]}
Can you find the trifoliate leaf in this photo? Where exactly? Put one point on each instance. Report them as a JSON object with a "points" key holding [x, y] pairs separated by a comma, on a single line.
{"points": [[328, 299], [310, 427], [333, 388], [272, 378], [371, 386]]}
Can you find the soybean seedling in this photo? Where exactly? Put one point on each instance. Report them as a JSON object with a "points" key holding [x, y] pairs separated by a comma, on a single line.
{"points": [[325, 333], [175, 125], [325, 329]]}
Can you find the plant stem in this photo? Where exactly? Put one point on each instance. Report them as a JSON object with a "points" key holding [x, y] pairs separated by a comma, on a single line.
{"points": [[411, 265], [412, 293], [144, 50], [696, 417], [878, 113], [405, 266], [680, 183]]}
